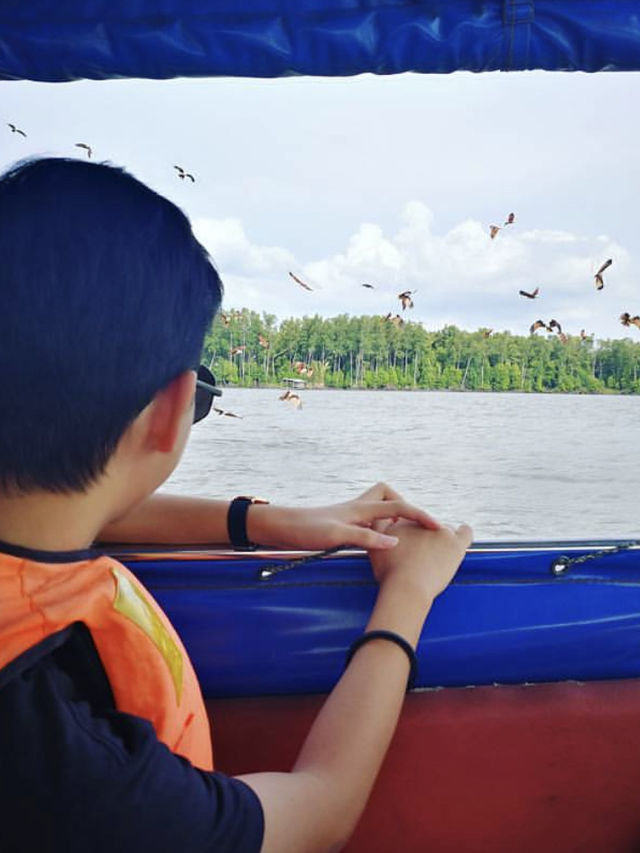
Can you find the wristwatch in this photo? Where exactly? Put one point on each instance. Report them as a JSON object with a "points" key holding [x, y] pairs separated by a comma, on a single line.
{"points": [[237, 521]]}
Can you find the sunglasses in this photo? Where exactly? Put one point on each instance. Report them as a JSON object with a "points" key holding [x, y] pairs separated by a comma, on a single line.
{"points": [[205, 392]]}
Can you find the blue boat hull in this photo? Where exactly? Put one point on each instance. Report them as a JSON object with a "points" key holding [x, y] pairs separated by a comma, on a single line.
{"points": [[505, 619]]}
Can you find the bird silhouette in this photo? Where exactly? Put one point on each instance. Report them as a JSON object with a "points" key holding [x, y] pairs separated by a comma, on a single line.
{"points": [[226, 413], [15, 129], [396, 320], [511, 218], [539, 324], [493, 231], [531, 295], [182, 174], [405, 298], [369, 286], [300, 282], [86, 147], [290, 397], [627, 320], [598, 275]]}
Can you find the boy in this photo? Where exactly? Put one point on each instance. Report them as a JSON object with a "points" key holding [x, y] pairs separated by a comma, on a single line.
{"points": [[104, 742]]}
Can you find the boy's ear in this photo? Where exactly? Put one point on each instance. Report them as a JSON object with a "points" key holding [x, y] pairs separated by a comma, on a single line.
{"points": [[168, 410]]}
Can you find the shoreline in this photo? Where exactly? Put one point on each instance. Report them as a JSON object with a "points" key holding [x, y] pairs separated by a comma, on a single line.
{"points": [[608, 392]]}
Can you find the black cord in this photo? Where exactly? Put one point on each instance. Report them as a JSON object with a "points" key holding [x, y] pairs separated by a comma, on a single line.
{"points": [[271, 569]]}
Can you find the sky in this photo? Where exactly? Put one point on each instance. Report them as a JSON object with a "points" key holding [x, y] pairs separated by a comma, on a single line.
{"points": [[392, 181]]}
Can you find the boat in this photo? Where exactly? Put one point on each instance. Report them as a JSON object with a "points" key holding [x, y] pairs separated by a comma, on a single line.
{"points": [[522, 731]]}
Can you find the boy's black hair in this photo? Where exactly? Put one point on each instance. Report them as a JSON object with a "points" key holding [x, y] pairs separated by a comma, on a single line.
{"points": [[105, 297]]}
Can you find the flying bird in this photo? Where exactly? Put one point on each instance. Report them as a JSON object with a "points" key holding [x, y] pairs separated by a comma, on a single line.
{"points": [[397, 321], [553, 324], [531, 295], [369, 286], [486, 333], [15, 129], [236, 350], [627, 320], [511, 218], [598, 275], [539, 324], [225, 318], [493, 231], [86, 147], [263, 342], [300, 282], [290, 397], [226, 413], [182, 174], [405, 298]]}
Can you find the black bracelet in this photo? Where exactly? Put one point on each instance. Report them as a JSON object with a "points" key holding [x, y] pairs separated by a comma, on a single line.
{"points": [[393, 638]]}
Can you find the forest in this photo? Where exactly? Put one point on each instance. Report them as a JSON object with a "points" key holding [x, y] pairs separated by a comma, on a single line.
{"points": [[247, 349]]}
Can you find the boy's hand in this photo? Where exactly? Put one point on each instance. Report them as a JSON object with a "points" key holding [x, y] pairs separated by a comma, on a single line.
{"points": [[423, 561], [350, 523]]}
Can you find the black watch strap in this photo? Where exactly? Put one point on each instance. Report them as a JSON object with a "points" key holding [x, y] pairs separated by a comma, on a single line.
{"points": [[237, 521]]}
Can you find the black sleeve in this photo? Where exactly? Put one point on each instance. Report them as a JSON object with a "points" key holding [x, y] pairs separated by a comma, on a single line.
{"points": [[77, 778]]}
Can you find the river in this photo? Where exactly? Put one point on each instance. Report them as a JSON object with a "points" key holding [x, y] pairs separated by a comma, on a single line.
{"points": [[515, 466]]}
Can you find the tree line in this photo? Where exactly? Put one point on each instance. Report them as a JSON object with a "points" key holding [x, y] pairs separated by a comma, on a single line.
{"points": [[249, 349]]}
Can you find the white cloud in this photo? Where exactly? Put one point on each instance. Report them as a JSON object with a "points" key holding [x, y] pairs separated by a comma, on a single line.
{"points": [[232, 250], [461, 275]]}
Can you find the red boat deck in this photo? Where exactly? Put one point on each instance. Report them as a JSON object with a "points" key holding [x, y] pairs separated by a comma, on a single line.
{"points": [[552, 767]]}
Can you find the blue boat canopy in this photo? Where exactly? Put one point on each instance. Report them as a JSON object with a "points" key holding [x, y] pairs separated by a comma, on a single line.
{"points": [[59, 40]]}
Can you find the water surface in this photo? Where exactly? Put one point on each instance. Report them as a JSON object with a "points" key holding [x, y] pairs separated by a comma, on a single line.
{"points": [[514, 466]]}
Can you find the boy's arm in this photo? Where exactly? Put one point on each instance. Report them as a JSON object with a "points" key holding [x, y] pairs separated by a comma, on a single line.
{"points": [[317, 805], [171, 519]]}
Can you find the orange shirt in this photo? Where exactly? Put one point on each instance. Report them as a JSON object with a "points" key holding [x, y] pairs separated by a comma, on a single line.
{"points": [[148, 668]]}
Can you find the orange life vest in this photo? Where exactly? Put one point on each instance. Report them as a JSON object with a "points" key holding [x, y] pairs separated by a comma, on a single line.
{"points": [[148, 668]]}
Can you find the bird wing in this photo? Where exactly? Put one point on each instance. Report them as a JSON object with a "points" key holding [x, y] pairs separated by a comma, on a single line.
{"points": [[604, 266]]}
